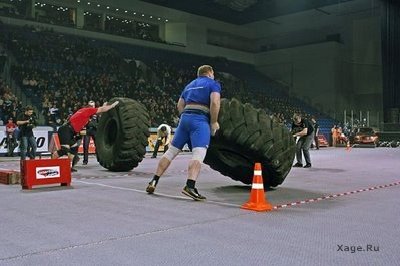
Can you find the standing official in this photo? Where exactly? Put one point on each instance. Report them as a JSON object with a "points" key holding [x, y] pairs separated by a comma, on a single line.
{"points": [[302, 129], [26, 122], [316, 132]]}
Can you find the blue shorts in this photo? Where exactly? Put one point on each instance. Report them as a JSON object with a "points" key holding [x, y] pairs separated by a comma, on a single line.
{"points": [[193, 129]]}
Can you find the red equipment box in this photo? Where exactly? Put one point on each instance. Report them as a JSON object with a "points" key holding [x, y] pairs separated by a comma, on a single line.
{"points": [[45, 172]]}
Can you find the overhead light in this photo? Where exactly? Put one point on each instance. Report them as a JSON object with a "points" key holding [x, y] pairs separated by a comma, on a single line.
{"points": [[108, 7], [88, 3], [151, 16], [166, 20], [78, 1], [116, 9], [126, 11], [98, 5], [142, 15]]}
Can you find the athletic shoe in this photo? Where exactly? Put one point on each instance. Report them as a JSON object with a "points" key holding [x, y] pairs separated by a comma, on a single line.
{"points": [[193, 193], [84, 163], [298, 165], [307, 165], [151, 187], [74, 170]]}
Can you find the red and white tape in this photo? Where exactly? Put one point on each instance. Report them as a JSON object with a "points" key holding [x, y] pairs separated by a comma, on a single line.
{"points": [[334, 195]]}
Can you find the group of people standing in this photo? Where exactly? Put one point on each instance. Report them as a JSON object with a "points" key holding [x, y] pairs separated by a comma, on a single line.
{"points": [[22, 131], [337, 135]]}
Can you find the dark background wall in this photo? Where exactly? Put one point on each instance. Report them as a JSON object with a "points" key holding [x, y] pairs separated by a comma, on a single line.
{"points": [[391, 59]]}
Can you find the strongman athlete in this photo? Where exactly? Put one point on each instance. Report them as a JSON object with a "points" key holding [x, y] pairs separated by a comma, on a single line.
{"points": [[199, 107], [67, 133]]}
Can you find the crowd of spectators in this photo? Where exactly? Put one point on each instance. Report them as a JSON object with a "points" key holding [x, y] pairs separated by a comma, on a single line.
{"points": [[10, 106], [3, 58], [281, 110], [66, 73], [63, 73]]}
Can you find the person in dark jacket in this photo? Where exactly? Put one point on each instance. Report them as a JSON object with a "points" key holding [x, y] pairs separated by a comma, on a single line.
{"points": [[26, 122], [303, 131]]}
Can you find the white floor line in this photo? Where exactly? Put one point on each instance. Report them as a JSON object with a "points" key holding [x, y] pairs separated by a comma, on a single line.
{"points": [[157, 194]]}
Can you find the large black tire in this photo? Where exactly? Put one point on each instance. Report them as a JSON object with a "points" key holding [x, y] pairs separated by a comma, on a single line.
{"points": [[246, 136], [122, 135]]}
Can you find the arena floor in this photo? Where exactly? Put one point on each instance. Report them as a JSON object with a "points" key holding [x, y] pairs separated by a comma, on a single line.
{"points": [[343, 211]]}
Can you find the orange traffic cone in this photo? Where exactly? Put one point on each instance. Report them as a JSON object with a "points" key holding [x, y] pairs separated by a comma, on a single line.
{"points": [[257, 198]]}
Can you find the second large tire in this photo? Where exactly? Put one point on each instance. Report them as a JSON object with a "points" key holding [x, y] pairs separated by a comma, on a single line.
{"points": [[122, 135], [246, 136]]}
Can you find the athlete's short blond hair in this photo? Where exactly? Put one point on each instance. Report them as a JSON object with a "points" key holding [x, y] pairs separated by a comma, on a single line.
{"points": [[204, 70]]}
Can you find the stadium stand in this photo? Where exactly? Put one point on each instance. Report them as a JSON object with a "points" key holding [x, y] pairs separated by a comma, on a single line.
{"points": [[61, 73]]}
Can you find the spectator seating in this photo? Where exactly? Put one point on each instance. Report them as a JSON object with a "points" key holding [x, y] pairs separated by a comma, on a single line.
{"points": [[61, 73]]}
